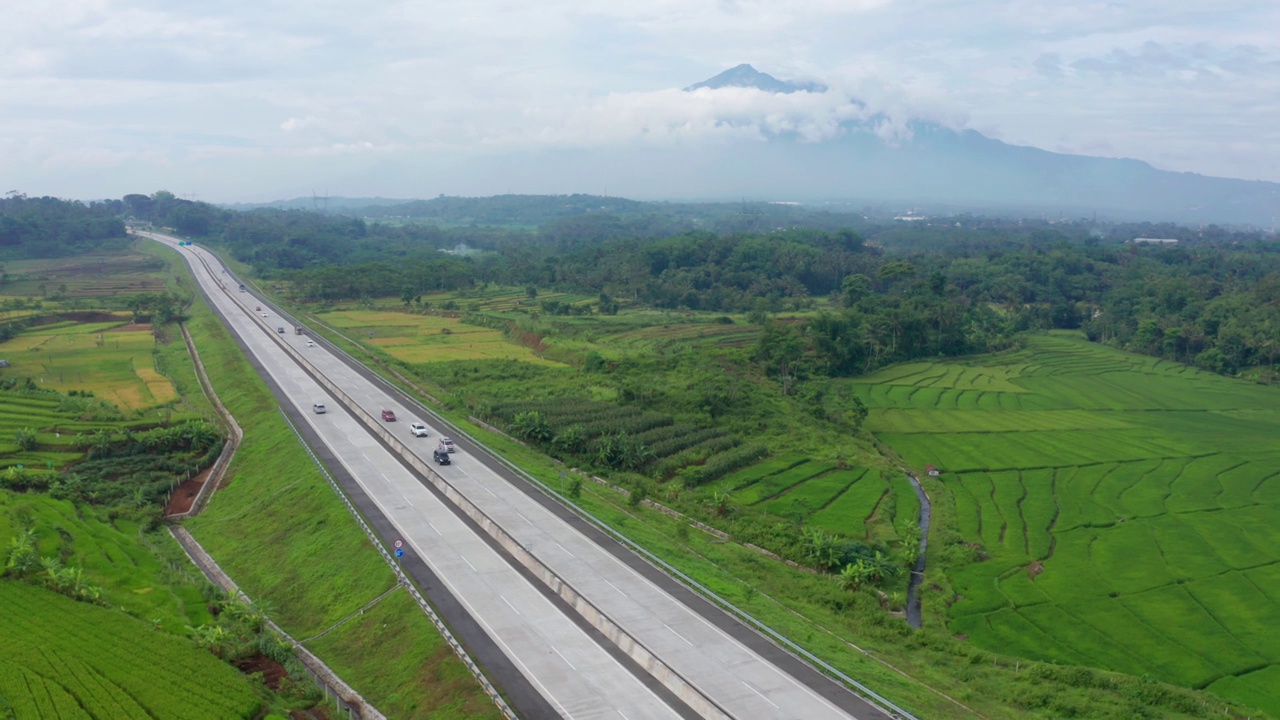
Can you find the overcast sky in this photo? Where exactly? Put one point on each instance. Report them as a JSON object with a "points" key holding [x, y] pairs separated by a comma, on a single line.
{"points": [[229, 100]]}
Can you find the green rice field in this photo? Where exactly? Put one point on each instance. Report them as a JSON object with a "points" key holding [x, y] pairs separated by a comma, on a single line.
{"points": [[847, 501], [69, 660], [108, 358], [1127, 508]]}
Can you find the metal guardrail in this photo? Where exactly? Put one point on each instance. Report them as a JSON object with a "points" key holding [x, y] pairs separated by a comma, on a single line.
{"points": [[885, 704], [404, 579]]}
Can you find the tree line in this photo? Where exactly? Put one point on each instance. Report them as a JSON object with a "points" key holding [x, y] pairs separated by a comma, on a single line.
{"points": [[891, 292]]}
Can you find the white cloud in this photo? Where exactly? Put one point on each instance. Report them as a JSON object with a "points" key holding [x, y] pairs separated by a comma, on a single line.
{"points": [[169, 88]]}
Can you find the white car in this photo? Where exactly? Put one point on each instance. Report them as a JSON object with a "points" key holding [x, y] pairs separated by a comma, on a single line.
{"points": [[310, 344], [418, 429], [318, 408], [265, 315], [446, 444]]}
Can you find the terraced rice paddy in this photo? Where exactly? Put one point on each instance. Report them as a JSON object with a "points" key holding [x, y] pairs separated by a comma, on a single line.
{"points": [[70, 660], [845, 501], [1128, 507], [86, 276], [429, 338], [113, 362]]}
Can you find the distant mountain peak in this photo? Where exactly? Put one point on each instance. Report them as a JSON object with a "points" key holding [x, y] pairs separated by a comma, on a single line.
{"points": [[745, 76]]}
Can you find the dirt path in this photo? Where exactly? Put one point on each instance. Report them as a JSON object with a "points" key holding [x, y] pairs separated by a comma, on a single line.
{"points": [[915, 613]]}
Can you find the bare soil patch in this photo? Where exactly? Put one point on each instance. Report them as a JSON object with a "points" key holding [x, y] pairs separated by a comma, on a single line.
{"points": [[185, 494], [272, 671], [1034, 569]]}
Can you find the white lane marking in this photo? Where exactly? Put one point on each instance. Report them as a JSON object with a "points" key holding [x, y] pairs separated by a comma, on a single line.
{"points": [[513, 608], [406, 499], [486, 489], [757, 692], [615, 587], [522, 517], [562, 657], [433, 527], [673, 632], [566, 550], [624, 715], [473, 568]]}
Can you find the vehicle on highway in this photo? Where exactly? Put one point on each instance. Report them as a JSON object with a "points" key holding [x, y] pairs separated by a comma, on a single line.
{"points": [[441, 457], [318, 408], [310, 344], [280, 329], [259, 308], [241, 287], [264, 314], [418, 429], [389, 415], [446, 444]]}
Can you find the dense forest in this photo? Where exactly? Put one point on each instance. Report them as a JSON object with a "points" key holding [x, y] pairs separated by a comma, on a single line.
{"points": [[875, 294], [47, 227]]}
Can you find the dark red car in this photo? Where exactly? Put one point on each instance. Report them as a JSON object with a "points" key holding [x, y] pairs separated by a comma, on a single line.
{"points": [[388, 415]]}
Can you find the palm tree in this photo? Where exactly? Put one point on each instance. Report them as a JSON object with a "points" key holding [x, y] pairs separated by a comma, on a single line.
{"points": [[821, 548], [722, 503], [855, 575]]}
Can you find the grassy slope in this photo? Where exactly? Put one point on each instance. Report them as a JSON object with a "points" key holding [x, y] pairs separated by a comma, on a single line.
{"points": [[278, 529]]}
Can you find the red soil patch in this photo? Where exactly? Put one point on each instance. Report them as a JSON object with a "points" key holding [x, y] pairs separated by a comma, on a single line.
{"points": [[272, 671], [1034, 569], [185, 494]]}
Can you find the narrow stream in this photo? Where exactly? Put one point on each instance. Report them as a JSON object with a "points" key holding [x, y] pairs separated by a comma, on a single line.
{"points": [[915, 614]]}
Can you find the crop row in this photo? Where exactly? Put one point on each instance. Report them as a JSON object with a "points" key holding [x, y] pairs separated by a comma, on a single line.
{"points": [[693, 455], [664, 432], [104, 654], [631, 425], [769, 487], [686, 439], [723, 463]]}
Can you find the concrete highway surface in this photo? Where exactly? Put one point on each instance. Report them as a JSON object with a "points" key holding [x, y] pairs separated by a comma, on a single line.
{"points": [[721, 668]]}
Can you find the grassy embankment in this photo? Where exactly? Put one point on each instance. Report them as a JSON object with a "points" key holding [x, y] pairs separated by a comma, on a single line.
{"points": [[278, 529], [806, 607]]}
